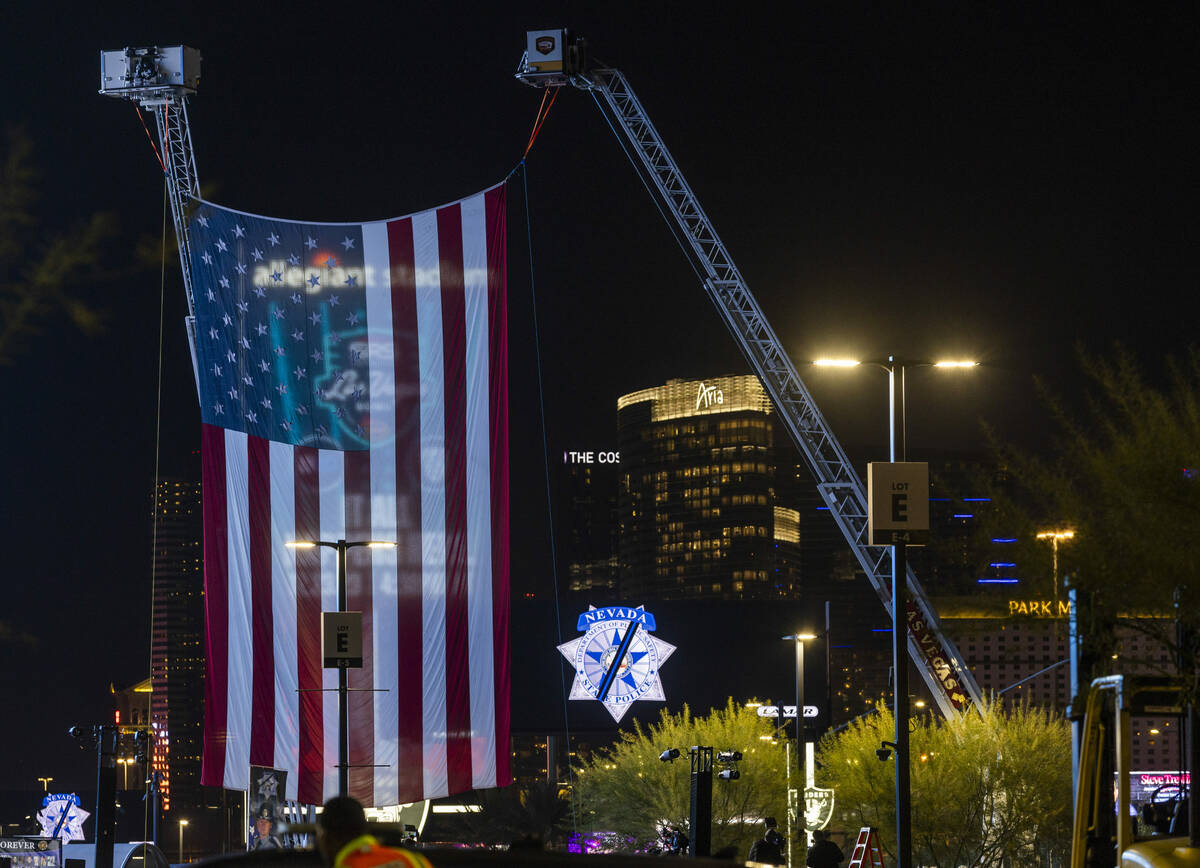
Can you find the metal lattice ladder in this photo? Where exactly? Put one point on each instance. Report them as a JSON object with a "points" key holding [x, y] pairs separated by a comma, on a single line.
{"points": [[940, 664]]}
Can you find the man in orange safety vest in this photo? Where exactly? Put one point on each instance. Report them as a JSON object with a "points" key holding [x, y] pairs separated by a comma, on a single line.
{"points": [[343, 841]]}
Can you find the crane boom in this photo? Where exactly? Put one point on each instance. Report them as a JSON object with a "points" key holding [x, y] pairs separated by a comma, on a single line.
{"points": [[841, 488]]}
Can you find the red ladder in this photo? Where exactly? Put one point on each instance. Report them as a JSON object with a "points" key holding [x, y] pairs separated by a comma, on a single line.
{"points": [[866, 849]]}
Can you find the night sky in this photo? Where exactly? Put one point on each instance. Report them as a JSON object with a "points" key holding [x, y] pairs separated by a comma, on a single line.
{"points": [[995, 183]]}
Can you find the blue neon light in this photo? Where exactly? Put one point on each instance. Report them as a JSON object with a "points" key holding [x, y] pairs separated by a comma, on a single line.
{"points": [[964, 515], [1002, 564], [1004, 539], [939, 500], [881, 629], [997, 581], [977, 500]]}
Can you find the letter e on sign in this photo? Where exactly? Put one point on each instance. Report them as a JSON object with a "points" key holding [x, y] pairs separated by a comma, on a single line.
{"points": [[341, 640], [897, 503]]}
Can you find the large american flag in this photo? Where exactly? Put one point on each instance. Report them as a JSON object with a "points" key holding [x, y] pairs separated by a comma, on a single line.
{"points": [[353, 386]]}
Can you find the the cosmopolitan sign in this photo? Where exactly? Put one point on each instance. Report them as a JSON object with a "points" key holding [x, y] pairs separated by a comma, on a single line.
{"points": [[585, 456], [788, 711]]}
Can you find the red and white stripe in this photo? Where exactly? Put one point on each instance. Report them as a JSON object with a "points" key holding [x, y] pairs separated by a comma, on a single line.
{"points": [[429, 710]]}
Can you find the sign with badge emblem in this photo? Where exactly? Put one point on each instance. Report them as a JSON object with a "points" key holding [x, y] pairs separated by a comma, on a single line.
{"points": [[617, 659]]}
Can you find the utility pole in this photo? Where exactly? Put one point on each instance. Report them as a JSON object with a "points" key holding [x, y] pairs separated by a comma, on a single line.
{"points": [[700, 818], [899, 452]]}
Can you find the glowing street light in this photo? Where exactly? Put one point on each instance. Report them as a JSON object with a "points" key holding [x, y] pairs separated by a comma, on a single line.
{"points": [[182, 824], [125, 761], [898, 451], [1055, 536], [45, 784], [341, 547]]}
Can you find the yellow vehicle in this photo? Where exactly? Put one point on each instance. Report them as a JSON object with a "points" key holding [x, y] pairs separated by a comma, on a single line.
{"points": [[1109, 831]]}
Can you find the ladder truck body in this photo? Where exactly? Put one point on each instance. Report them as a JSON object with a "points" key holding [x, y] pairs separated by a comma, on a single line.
{"points": [[554, 58]]}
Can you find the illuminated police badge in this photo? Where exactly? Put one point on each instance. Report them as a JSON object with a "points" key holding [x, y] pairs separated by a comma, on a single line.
{"points": [[62, 817], [617, 660]]}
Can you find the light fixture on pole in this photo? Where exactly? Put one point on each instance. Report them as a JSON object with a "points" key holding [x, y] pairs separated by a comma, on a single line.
{"points": [[45, 784], [1055, 536], [341, 547], [125, 761], [898, 452], [182, 824]]}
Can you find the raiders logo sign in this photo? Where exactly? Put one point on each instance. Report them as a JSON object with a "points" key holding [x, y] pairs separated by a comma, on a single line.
{"points": [[818, 807], [544, 44]]}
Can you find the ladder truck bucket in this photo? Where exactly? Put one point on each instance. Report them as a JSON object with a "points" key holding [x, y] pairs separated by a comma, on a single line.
{"points": [[552, 58], [149, 73]]}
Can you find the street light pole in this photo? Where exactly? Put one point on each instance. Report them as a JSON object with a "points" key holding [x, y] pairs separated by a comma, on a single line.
{"points": [[343, 685], [899, 451], [340, 546], [1054, 536], [45, 784], [898, 448], [182, 823], [800, 832]]}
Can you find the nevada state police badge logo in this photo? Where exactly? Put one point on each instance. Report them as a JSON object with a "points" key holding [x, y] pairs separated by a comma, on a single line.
{"points": [[616, 659]]}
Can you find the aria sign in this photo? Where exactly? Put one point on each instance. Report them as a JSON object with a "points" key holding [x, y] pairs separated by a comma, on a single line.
{"points": [[616, 659], [707, 396]]}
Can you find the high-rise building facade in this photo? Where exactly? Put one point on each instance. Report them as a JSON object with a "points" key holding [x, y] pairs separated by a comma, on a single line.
{"points": [[177, 642], [589, 539], [1016, 647], [697, 501]]}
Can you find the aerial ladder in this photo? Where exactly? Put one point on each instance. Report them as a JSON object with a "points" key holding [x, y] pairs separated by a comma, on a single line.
{"points": [[555, 58], [162, 79]]}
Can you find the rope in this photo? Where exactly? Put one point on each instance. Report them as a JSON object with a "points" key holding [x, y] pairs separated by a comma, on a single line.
{"points": [[147, 801], [542, 113], [549, 501], [162, 164]]}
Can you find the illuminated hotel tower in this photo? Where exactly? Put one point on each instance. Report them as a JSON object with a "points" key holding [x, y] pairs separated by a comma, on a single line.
{"points": [[177, 643], [697, 503]]}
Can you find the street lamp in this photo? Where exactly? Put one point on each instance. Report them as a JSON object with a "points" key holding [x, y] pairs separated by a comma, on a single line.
{"points": [[182, 823], [1055, 536], [898, 451], [340, 546], [125, 761], [799, 639], [45, 784]]}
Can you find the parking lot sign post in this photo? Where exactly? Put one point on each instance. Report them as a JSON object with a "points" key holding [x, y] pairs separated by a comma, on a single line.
{"points": [[898, 515]]}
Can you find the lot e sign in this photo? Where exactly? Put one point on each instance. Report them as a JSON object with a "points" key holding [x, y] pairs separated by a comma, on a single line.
{"points": [[898, 498], [341, 640]]}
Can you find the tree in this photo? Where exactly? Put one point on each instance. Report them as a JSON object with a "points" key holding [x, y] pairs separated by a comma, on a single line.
{"points": [[627, 796], [987, 789], [40, 274], [1124, 474]]}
